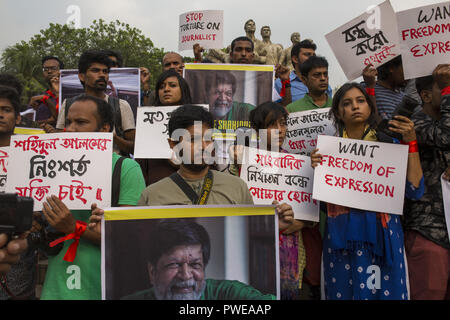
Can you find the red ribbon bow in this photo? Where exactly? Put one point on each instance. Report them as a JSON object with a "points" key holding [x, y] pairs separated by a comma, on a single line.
{"points": [[71, 253]]}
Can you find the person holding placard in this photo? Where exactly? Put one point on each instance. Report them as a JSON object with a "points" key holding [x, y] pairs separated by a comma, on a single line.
{"points": [[77, 276], [195, 182], [93, 72], [426, 238], [363, 251], [301, 242], [171, 90]]}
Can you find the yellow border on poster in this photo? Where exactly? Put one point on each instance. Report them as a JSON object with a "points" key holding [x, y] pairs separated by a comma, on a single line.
{"points": [[136, 213], [21, 130], [234, 67]]}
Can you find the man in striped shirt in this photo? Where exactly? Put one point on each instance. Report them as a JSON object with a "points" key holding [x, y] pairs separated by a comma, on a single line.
{"points": [[389, 89]]}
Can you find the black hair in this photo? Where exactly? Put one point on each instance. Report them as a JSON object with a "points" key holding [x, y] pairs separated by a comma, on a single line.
{"points": [[220, 77], [104, 110], [112, 53], [169, 233], [11, 94], [305, 44], [337, 97], [243, 38], [185, 116], [424, 83], [383, 70], [267, 114], [10, 80], [184, 87], [312, 63], [61, 64], [92, 56]]}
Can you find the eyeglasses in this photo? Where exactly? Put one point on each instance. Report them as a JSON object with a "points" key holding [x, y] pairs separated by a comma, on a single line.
{"points": [[47, 69]]}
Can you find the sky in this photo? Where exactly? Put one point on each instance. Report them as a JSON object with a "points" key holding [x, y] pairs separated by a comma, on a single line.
{"points": [[158, 20]]}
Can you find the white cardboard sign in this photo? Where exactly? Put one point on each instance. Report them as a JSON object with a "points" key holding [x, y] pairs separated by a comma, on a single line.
{"points": [[152, 132], [424, 34], [284, 177], [203, 27], [446, 197], [76, 167], [304, 127], [4, 155], [361, 174], [371, 38]]}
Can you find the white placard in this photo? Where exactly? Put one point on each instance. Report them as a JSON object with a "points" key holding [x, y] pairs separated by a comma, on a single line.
{"points": [[361, 174], [446, 198], [4, 155], [286, 178], [203, 27], [304, 127], [76, 167], [424, 34], [152, 132], [371, 38]]}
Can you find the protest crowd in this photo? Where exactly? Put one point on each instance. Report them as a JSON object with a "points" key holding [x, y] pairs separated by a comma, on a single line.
{"points": [[347, 252]]}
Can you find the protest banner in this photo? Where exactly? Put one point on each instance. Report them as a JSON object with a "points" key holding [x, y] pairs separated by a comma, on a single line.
{"points": [[76, 167], [203, 27], [371, 38], [152, 132], [124, 83], [4, 155], [282, 177], [361, 174], [304, 127], [446, 197], [231, 91], [424, 34], [243, 247]]}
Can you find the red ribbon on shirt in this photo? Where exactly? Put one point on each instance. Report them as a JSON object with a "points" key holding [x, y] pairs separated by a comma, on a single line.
{"points": [[283, 88], [71, 253]]}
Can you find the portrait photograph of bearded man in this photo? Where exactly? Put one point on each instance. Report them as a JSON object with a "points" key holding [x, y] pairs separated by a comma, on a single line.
{"points": [[189, 259]]}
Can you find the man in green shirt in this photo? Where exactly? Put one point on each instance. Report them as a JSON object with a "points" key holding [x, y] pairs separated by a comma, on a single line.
{"points": [[314, 74], [80, 279], [176, 267]]}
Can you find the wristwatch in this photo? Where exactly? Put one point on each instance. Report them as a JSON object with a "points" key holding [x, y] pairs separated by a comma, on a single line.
{"points": [[146, 93]]}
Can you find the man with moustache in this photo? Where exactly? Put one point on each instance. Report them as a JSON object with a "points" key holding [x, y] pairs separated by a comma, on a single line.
{"points": [[220, 89], [176, 267], [93, 72], [46, 104]]}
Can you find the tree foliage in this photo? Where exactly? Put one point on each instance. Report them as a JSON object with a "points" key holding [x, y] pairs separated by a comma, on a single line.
{"points": [[67, 43]]}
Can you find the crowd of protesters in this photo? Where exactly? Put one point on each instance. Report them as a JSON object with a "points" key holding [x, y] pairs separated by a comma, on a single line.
{"points": [[411, 252]]}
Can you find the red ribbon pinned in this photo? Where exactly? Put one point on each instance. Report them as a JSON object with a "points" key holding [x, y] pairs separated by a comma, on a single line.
{"points": [[71, 253], [283, 88]]}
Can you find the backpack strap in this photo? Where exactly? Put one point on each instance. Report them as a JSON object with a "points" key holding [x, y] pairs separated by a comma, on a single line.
{"points": [[115, 192]]}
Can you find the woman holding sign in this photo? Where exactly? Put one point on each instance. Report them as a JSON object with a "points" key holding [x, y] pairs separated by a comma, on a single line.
{"points": [[363, 251], [301, 243], [171, 90]]}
